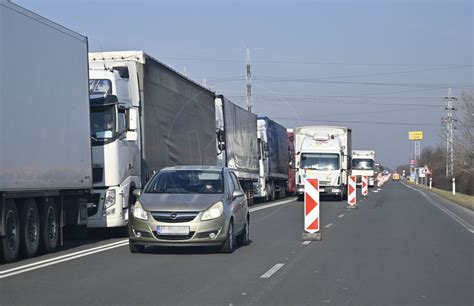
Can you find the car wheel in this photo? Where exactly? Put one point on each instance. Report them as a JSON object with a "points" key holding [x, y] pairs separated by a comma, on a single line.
{"points": [[229, 244], [30, 228], [244, 238], [135, 248], [10, 242], [49, 227]]}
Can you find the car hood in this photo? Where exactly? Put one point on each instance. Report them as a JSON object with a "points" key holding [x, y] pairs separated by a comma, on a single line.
{"points": [[178, 202]]}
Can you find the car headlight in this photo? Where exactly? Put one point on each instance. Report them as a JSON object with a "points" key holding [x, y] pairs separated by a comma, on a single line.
{"points": [[139, 212], [215, 211], [109, 198]]}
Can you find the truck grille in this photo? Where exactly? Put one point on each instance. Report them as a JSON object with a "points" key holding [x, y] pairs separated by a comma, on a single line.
{"points": [[97, 174], [174, 217]]}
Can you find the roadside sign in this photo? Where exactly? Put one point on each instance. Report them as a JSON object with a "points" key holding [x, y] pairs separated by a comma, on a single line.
{"points": [[421, 172], [351, 192], [311, 205], [415, 135]]}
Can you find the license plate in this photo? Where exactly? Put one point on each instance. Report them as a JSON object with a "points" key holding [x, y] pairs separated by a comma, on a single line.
{"points": [[172, 230]]}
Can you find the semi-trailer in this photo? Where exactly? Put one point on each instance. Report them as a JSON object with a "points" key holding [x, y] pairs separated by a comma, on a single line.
{"points": [[45, 151], [144, 116], [324, 152], [237, 143], [272, 141], [290, 190]]}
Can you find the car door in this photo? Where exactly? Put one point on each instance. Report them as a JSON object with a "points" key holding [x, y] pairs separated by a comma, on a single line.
{"points": [[239, 204]]}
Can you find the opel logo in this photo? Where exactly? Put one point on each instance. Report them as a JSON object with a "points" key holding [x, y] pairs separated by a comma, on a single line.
{"points": [[174, 216]]}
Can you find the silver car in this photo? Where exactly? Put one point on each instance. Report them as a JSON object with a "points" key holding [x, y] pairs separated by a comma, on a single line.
{"points": [[190, 206]]}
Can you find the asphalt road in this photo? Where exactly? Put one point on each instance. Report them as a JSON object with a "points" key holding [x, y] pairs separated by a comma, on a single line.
{"points": [[400, 246]]}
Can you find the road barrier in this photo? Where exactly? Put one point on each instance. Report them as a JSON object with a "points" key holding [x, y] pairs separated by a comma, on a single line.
{"points": [[365, 185], [312, 221], [352, 192]]}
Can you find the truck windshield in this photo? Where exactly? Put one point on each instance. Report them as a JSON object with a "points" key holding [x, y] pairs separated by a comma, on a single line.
{"points": [[103, 122], [320, 161], [186, 181], [363, 164], [100, 87]]}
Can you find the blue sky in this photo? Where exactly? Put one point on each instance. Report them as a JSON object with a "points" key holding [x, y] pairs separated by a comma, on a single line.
{"points": [[357, 63]]}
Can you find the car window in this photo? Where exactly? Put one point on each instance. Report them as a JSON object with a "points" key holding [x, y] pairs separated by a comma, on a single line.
{"points": [[235, 182]]}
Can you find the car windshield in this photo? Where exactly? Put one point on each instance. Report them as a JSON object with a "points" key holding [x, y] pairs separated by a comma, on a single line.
{"points": [[186, 181], [320, 161], [363, 164]]}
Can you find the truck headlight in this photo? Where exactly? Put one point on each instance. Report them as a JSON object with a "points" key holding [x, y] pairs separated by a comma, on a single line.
{"points": [[215, 211], [109, 198], [139, 212]]}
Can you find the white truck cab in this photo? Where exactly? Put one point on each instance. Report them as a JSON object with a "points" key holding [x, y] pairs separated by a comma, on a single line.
{"points": [[322, 153], [363, 164]]}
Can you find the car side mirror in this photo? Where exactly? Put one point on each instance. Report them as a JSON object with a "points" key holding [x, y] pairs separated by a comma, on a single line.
{"points": [[137, 193], [237, 194]]}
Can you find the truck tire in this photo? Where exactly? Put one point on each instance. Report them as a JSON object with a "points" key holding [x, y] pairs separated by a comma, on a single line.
{"points": [[30, 228], [49, 225], [135, 248], [10, 242]]}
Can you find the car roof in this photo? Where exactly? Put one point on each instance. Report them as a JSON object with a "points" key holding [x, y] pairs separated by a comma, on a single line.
{"points": [[193, 167]]}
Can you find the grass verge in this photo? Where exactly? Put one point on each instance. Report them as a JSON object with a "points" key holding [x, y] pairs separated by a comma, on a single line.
{"points": [[460, 198]]}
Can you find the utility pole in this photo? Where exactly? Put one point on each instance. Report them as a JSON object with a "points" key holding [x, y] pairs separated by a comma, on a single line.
{"points": [[249, 82], [449, 123]]}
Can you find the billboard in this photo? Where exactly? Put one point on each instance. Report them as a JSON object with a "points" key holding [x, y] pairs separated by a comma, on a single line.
{"points": [[415, 135]]}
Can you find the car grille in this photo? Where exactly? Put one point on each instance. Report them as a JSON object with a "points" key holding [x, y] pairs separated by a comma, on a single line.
{"points": [[174, 217], [173, 237], [92, 211]]}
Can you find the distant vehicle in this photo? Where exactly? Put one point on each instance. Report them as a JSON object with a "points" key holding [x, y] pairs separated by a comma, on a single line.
{"points": [[363, 164], [323, 152], [396, 176], [190, 206], [273, 160], [290, 190], [45, 149]]}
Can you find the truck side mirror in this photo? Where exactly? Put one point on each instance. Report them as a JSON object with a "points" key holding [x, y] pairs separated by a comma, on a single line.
{"points": [[132, 119]]}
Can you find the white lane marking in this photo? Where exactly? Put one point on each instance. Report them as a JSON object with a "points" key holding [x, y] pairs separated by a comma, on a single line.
{"points": [[306, 242], [375, 191], [62, 256], [340, 216], [62, 260], [271, 205], [328, 225], [445, 210], [272, 271], [86, 252]]}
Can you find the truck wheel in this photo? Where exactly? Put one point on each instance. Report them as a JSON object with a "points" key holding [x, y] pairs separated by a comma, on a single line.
{"points": [[49, 227], [300, 197], [135, 248], [10, 243], [30, 228]]}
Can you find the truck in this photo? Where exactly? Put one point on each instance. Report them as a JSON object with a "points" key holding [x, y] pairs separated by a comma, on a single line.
{"points": [[272, 142], [290, 190], [236, 142], [323, 152], [45, 149], [144, 116], [363, 164]]}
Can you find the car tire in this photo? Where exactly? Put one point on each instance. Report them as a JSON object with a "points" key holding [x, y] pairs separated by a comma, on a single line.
{"points": [[135, 248], [229, 244], [244, 238], [30, 228], [49, 225], [10, 242]]}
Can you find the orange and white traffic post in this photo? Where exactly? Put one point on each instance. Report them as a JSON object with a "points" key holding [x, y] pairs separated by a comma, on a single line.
{"points": [[365, 185], [351, 192], [312, 221]]}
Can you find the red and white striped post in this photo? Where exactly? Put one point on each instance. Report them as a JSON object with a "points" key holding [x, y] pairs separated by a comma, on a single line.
{"points": [[351, 192], [365, 185], [312, 221]]}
